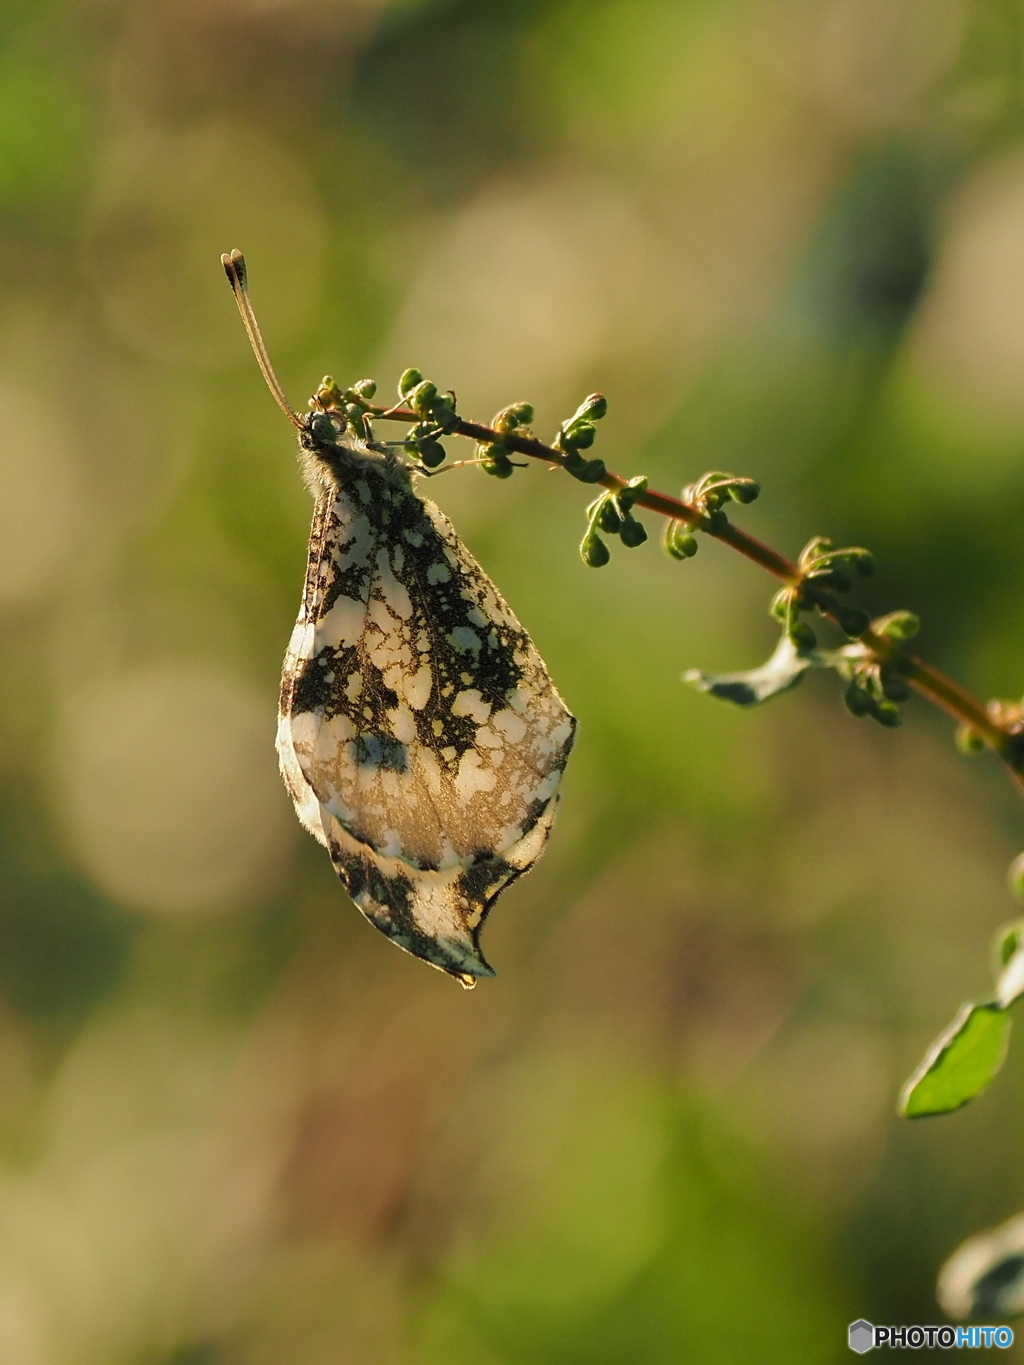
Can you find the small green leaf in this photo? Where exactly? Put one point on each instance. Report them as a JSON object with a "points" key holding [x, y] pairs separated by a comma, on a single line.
{"points": [[782, 672], [960, 1063]]}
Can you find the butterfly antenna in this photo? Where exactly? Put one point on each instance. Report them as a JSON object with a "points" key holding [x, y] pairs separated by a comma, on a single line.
{"points": [[234, 268]]}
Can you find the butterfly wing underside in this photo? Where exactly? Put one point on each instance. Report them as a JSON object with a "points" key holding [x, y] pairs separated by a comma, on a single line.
{"points": [[420, 735]]}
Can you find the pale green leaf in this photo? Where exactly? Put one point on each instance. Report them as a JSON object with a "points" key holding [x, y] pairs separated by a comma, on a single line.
{"points": [[960, 1063]]}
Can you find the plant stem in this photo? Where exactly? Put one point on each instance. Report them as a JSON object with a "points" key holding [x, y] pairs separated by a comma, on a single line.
{"points": [[926, 680]]}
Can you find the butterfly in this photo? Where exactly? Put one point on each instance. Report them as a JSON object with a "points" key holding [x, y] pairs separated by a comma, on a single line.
{"points": [[419, 734]]}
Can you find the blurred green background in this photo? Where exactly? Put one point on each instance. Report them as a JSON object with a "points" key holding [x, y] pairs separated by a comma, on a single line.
{"points": [[786, 237]]}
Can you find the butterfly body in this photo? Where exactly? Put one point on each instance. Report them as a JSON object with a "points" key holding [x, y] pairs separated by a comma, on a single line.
{"points": [[419, 734]]}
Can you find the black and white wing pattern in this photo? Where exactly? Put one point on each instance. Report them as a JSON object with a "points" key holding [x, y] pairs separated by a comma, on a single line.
{"points": [[420, 735]]}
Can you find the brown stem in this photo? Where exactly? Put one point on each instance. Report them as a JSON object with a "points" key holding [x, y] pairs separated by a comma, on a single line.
{"points": [[928, 681]]}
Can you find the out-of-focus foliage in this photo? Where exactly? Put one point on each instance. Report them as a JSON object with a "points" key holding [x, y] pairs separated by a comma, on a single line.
{"points": [[784, 237]]}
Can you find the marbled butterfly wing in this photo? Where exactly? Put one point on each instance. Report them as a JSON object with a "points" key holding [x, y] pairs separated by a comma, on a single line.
{"points": [[420, 735]]}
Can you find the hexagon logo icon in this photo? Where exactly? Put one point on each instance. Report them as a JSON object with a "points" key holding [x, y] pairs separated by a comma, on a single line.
{"points": [[862, 1336]]}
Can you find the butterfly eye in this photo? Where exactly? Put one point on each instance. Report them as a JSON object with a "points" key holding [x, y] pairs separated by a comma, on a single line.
{"points": [[322, 429]]}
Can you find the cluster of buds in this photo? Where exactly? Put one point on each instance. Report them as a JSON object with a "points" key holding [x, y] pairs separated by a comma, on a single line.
{"points": [[712, 491], [708, 497], [494, 458], [1009, 716], [876, 688], [679, 540], [352, 405], [579, 433], [437, 417], [613, 514], [824, 570], [876, 691]]}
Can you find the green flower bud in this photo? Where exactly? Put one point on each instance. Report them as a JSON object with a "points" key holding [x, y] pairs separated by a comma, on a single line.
{"points": [[744, 490], [515, 415], [431, 452], [587, 471], [779, 605], [608, 518], [582, 435], [495, 451], [592, 409], [446, 418], [895, 687], [594, 551], [365, 388], [678, 541], [857, 701], [863, 561], [802, 635], [494, 460], [627, 496], [967, 740], [632, 532], [498, 469], [408, 381], [328, 394], [833, 577], [898, 625], [887, 713], [422, 398], [853, 620]]}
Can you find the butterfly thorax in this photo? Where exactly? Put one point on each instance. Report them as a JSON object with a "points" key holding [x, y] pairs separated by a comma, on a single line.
{"points": [[331, 458]]}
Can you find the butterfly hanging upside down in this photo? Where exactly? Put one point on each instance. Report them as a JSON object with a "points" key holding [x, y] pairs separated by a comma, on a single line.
{"points": [[419, 735]]}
